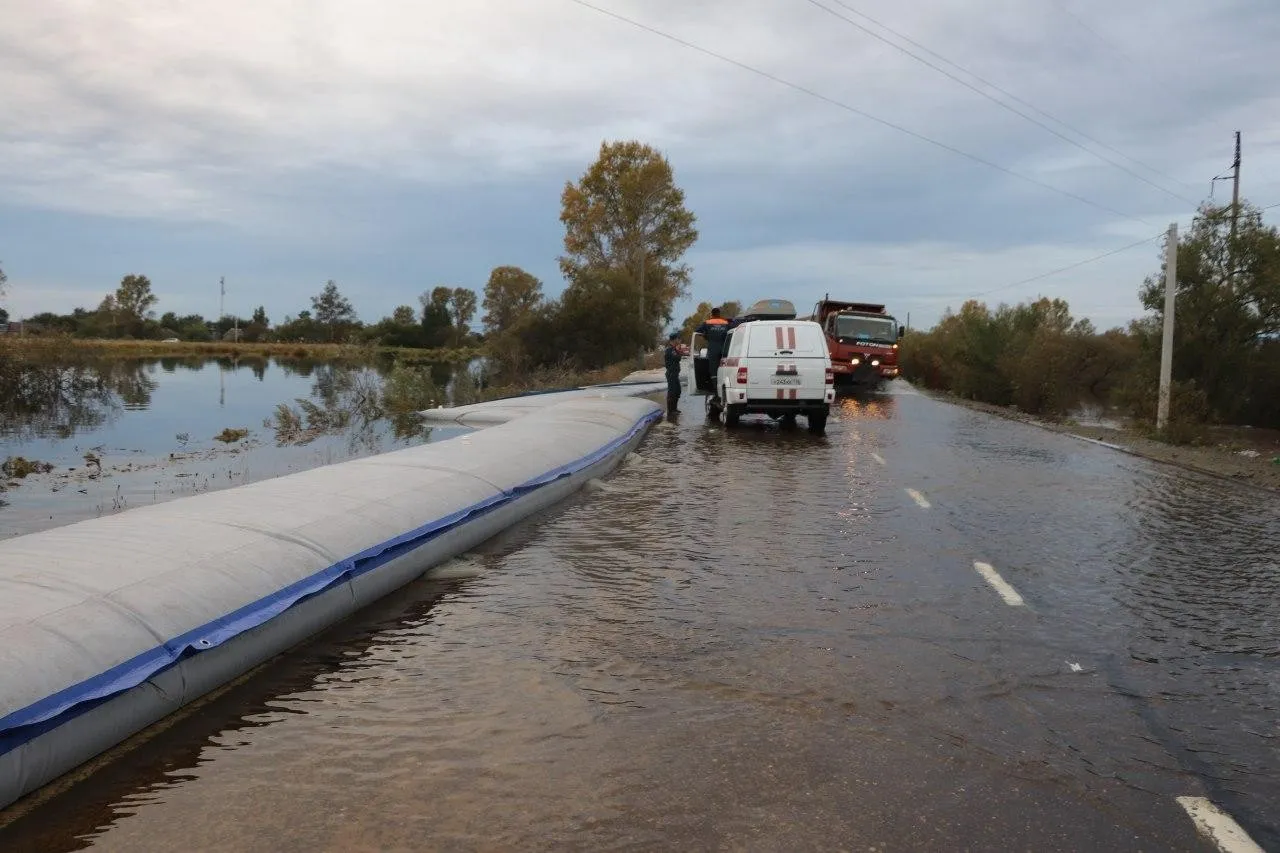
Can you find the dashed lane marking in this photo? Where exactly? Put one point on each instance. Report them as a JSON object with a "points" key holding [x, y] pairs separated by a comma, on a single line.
{"points": [[878, 458], [918, 498], [999, 584], [1218, 826]]}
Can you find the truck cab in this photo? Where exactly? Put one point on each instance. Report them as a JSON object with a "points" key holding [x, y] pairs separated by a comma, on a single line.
{"points": [[862, 339]]}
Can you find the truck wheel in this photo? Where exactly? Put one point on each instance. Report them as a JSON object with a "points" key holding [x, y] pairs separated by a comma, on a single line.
{"points": [[817, 423], [789, 420]]}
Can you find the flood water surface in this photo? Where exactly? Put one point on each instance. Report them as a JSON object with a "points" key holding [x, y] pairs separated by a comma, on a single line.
{"points": [[758, 640], [123, 432]]}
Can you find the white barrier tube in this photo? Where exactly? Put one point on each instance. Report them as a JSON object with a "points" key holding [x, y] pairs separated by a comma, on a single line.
{"points": [[108, 625]]}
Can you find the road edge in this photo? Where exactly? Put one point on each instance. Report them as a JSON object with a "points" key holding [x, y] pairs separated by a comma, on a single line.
{"points": [[1062, 429]]}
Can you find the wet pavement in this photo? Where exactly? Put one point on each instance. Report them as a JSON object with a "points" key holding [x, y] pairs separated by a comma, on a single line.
{"points": [[763, 640]]}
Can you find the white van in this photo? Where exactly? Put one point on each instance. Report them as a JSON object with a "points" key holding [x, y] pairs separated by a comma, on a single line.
{"points": [[776, 367]]}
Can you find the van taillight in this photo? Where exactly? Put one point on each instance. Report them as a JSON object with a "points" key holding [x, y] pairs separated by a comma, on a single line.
{"points": [[831, 376], [742, 376]]}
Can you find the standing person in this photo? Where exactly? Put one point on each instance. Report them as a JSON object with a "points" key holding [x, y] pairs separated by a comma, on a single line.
{"points": [[716, 330], [671, 359]]}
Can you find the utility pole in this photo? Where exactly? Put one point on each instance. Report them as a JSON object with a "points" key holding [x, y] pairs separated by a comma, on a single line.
{"points": [[1166, 343], [222, 297], [1235, 214], [640, 354], [1235, 188]]}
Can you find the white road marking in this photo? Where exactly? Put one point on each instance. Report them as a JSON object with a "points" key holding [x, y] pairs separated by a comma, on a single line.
{"points": [[1218, 826], [918, 498], [1001, 586], [878, 458]]}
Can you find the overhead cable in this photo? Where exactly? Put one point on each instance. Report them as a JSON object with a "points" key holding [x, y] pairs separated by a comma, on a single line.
{"points": [[996, 100], [852, 109], [1070, 266]]}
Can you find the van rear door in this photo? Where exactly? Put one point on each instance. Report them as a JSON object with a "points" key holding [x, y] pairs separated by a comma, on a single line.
{"points": [[787, 360]]}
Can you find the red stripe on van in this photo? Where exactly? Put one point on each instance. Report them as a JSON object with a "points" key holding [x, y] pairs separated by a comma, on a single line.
{"points": [[791, 337], [777, 332]]}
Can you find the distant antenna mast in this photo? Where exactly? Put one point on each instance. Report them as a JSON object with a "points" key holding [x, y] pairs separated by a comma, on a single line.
{"points": [[222, 297]]}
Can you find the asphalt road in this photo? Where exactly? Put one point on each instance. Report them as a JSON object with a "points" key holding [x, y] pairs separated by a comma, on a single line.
{"points": [[929, 630]]}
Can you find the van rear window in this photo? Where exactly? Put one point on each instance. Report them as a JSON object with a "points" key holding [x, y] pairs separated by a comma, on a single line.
{"points": [[768, 338]]}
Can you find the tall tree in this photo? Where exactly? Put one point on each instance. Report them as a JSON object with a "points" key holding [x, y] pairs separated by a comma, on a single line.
{"points": [[332, 309], [1228, 308], [404, 315], [626, 213], [462, 305], [134, 300], [437, 321], [260, 316], [4, 280], [510, 294]]}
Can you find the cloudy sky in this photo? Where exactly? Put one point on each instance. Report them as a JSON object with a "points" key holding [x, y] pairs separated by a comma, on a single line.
{"points": [[394, 145]]}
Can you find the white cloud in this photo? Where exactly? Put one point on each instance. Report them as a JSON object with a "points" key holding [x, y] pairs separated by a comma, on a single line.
{"points": [[185, 112]]}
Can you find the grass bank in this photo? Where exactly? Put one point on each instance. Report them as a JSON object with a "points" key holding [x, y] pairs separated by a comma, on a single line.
{"points": [[548, 379], [40, 346]]}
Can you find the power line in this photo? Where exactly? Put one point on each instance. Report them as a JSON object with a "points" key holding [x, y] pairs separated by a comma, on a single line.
{"points": [[994, 99], [1071, 266], [1062, 7], [852, 109]]}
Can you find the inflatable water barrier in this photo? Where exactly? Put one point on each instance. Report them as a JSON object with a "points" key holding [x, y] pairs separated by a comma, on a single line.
{"points": [[110, 624], [481, 415]]}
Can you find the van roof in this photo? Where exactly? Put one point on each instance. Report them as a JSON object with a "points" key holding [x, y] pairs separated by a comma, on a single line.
{"points": [[779, 323]]}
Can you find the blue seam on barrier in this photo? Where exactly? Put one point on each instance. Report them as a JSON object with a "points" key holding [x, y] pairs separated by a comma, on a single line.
{"points": [[44, 714]]}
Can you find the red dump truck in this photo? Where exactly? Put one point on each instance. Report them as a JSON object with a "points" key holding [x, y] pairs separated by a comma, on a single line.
{"points": [[863, 341]]}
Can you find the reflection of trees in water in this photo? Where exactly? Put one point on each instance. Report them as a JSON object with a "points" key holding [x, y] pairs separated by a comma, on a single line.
{"points": [[133, 381], [355, 402], [40, 397]]}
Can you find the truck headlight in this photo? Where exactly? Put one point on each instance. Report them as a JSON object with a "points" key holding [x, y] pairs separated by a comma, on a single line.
{"points": [[855, 361], [875, 362]]}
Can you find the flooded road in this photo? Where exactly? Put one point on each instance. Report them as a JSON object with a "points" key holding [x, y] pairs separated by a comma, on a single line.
{"points": [[762, 640]]}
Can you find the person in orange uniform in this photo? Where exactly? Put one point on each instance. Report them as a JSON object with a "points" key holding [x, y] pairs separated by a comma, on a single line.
{"points": [[716, 331]]}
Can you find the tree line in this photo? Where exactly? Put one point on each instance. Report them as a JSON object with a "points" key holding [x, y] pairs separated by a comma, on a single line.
{"points": [[442, 319], [1226, 353]]}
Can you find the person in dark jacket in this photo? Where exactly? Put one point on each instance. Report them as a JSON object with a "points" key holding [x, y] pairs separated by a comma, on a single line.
{"points": [[671, 360], [716, 331]]}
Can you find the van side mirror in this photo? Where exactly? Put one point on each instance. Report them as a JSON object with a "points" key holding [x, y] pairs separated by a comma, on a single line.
{"points": [[902, 330]]}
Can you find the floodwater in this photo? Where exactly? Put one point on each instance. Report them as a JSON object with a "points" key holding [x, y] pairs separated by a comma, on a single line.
{"points": [[126, 432], [761, 640]]}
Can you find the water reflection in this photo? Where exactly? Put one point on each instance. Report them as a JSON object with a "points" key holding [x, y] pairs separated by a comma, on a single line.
{"points": [[355, 401], [881, 407], [59, 400], [43, 398], [174, 758]]}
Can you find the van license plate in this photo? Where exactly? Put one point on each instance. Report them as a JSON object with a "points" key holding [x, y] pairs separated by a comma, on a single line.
{"points": [[786, 380]]}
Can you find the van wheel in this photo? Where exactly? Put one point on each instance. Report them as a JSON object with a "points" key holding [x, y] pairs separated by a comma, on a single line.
{"points": [[818, 423], [731, 412], [789, 420]]}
